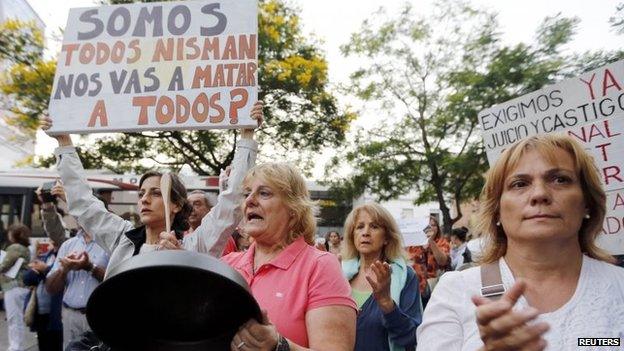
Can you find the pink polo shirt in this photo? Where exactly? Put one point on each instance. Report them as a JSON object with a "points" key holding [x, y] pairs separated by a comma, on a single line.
{"points": [[301, 278]]}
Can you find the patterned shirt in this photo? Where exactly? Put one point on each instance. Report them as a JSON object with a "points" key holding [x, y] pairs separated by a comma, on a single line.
{"points": [[424, 262]]}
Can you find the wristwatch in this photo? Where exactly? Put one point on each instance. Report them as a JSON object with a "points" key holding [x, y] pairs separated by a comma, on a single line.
{"points": [[282, 344], [93, 267]]}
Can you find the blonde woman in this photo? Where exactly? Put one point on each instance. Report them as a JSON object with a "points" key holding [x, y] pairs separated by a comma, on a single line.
{"points": [[542, 207], [306, 301], [383, 285]]}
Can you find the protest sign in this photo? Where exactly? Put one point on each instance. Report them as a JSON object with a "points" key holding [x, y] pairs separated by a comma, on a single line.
{"points": [[12, 272], [157, 66], [589, 108], [413, 231]]}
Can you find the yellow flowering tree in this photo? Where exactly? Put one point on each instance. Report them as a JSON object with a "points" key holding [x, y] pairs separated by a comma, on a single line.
{"points": [[27, 81]]}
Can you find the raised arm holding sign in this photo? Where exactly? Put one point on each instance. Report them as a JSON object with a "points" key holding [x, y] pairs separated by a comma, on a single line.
{"points": [[413, 231]]}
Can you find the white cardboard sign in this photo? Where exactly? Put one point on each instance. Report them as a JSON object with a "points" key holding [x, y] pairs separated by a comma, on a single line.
{"points": [[157, 66], [413, 231], [590, 108], [12, 272]]}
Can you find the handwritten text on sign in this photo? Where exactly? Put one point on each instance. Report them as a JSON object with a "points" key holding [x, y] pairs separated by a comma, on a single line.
{"points": [[590, 108], [158, 66], [413, 231]]}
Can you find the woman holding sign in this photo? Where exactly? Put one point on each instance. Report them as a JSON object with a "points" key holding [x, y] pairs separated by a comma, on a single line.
{"points": [[383, 285], [120, 238], [430, 260], [543, 282]]}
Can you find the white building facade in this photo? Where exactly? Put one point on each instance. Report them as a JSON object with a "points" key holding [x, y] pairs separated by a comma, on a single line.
{"points": [[400, 208], [404, 208], [15, 146]]}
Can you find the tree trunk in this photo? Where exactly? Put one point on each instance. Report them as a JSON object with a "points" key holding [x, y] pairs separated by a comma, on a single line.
{"points": [[446, 218]]}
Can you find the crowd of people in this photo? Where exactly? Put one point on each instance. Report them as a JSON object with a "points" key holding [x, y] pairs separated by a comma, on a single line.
{"points": [[529, 276]]}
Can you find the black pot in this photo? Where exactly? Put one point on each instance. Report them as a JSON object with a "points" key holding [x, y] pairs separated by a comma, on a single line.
{"points": [[171, 300]]}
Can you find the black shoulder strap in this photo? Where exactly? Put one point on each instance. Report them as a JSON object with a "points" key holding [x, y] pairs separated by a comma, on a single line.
{"points": [[467, 256], [138, 237], [491, 281]]}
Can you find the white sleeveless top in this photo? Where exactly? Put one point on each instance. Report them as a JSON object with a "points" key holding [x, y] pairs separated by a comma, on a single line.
{"points": [[596, 310]]}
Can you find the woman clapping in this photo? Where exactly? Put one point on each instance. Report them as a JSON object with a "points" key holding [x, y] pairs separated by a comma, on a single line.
{"points": [[384, 287], [543, 282]]}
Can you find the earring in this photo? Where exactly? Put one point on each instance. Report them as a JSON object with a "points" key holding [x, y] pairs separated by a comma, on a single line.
{"points": [[587, 216], [498, 224]]}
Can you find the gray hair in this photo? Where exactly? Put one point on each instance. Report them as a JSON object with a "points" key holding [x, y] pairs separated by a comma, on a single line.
{"points": [[211, 198]]}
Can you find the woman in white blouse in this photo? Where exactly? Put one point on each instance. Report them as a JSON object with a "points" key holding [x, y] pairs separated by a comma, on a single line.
{"points": [[542, 208], [120, 238]]}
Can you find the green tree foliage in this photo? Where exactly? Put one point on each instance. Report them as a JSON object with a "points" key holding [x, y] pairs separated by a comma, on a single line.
{"points": [[589, 61], [300, 113], [20, 42], [28, 80], [432, 75], [617, 20]]}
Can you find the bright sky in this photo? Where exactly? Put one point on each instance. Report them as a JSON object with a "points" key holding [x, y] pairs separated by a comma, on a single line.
{"points": [[333, 22]]}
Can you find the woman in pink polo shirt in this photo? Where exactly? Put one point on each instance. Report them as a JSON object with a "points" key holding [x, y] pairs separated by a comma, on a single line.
{"points": [[306, 300]]}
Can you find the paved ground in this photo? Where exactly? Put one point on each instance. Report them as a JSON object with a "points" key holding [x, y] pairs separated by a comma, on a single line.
{"points": [[4, 342]]}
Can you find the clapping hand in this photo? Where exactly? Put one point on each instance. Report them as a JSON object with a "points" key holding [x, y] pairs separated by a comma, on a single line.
{"points": [[502, 328], [38, 266], [76, 261], [379, 280]]}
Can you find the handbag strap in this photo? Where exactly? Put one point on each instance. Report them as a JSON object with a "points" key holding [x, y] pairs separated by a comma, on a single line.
{"points": [[491, 281]]}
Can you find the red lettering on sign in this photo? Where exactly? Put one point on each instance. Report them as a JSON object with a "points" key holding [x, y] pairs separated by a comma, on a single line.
{"points": [[603, 150], [594, 131], [99, 112], [589, 85], [619, 201], [610, 80], [236, 105], [612, 172], [144, 102], [69, 49]]}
